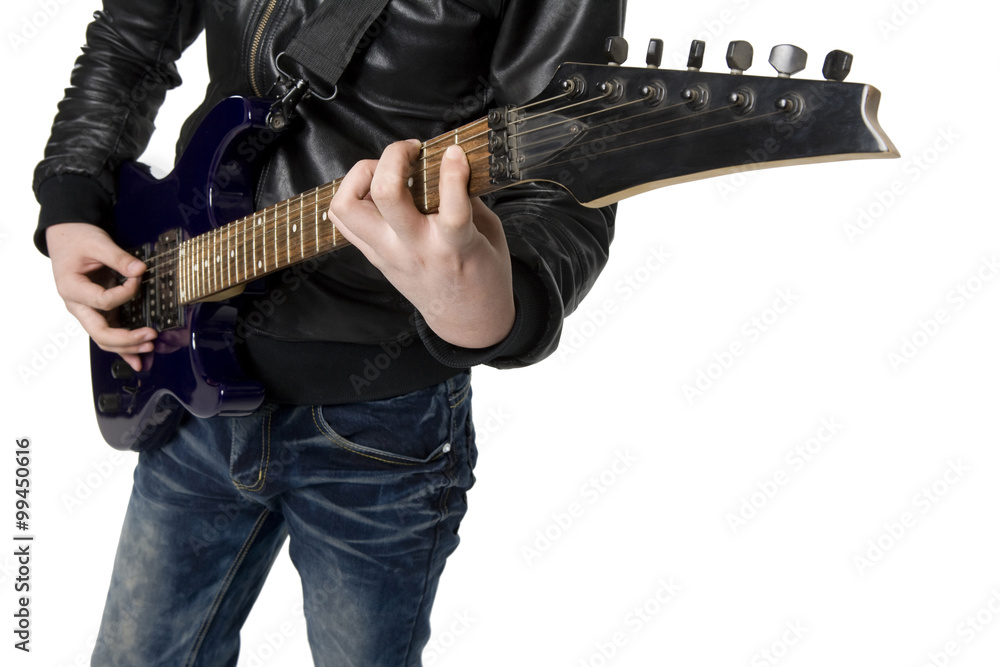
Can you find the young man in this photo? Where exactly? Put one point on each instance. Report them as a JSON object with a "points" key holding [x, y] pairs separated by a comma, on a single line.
{"points": [[367, 475]]}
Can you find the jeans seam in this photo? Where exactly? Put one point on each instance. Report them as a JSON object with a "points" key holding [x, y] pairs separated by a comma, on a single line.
{"points": [[226, 583], [265, 458], [345, 444], [427, 573]]}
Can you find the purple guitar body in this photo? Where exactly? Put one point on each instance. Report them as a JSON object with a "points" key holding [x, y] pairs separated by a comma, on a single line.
{"points": [[193, 366]]}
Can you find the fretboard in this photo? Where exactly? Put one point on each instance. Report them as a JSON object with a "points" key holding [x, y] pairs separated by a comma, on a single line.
{"points": [[299, 228]]}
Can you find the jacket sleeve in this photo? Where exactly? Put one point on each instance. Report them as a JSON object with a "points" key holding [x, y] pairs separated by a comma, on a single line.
{"points": [[557, 246], [106, 115]]}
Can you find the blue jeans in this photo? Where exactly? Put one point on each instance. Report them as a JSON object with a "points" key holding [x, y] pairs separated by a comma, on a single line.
{"points": [[370, 494]]}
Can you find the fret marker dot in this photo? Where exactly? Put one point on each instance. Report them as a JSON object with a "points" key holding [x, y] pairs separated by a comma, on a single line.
{"points": [[295, 228], [324, 215], [232, 253], [259, 263], [409, 182]]}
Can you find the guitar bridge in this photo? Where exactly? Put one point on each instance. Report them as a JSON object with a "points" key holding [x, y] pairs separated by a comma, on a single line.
{"points": [[156, 304]]}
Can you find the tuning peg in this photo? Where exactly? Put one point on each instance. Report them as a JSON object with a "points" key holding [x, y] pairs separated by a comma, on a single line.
{"points": [[739, 56], [837, 65], [616, 50], [787, 59], [654, 53], [696, 55]]}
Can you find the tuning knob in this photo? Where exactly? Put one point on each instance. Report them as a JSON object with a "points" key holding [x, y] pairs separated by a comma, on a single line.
{"points": [[654, 53], [837, 65], [787, 59], [739, 56], [696, 55], [616, 50]]}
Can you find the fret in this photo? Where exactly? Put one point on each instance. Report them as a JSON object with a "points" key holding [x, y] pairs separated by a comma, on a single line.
{"points": [[254, 253], [263, 241], [423, 175], [288, 237], [219, 278], [197, 267], [315, 216], [213, 260], [243, 246], [180, 277], [229, 255]]}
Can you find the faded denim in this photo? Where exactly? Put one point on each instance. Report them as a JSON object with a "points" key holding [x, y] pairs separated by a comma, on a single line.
{"points": [[371, 519]]}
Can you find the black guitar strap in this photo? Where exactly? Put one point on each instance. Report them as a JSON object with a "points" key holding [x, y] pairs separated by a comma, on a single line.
{"points": [[330, 36]]}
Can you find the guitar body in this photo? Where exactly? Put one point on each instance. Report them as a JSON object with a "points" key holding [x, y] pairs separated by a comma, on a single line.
{"points": [[193, 366]]}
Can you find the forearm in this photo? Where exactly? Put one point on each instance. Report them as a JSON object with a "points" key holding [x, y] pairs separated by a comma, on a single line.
{"points": [[106, 116]]}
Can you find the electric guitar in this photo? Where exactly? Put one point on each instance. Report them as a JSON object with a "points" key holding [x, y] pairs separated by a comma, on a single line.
{"points": [[603, 132]]}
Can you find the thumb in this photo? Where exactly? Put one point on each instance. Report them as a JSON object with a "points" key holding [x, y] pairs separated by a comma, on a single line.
{"points": [[455, 210]]}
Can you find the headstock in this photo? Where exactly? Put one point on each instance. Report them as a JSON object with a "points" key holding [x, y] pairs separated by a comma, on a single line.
{"points": [[606, 132]]}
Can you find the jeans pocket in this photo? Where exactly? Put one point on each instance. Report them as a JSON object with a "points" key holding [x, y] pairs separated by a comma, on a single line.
{"points": [[414, 429]]}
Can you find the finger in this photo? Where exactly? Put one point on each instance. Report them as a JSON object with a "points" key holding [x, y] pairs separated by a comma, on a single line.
{"points": [[113, 339], [390, 188], [92, 244], [488, 224], [79, 288], [352, 210], [455, 212]]}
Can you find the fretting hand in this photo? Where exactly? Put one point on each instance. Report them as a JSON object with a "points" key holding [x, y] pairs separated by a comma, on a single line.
{"points": [[453, 265]]}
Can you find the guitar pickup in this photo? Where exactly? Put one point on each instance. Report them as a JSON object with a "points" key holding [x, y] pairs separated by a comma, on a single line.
{"points": [[165, 308], [156, 304]]}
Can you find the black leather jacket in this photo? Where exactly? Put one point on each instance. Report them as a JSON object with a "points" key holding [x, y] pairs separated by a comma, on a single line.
{"points": [[425, 67]]}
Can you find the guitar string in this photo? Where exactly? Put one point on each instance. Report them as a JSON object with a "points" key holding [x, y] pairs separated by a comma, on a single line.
{"points": [[281, 224], [448, 139], [196, 263]]}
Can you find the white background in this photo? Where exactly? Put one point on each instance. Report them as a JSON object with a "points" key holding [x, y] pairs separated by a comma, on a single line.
{"points": [[615, 392]]}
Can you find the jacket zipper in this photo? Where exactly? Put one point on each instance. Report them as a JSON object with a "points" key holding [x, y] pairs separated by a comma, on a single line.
{"points": [[258, 37]]}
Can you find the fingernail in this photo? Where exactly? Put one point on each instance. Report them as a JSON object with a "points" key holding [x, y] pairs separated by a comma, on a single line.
{"points": [[454, 152], [134, 267]]}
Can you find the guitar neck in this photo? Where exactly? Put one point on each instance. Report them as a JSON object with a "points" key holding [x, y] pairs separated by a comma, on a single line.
{"points": [[299, 228], [603, 133]]}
